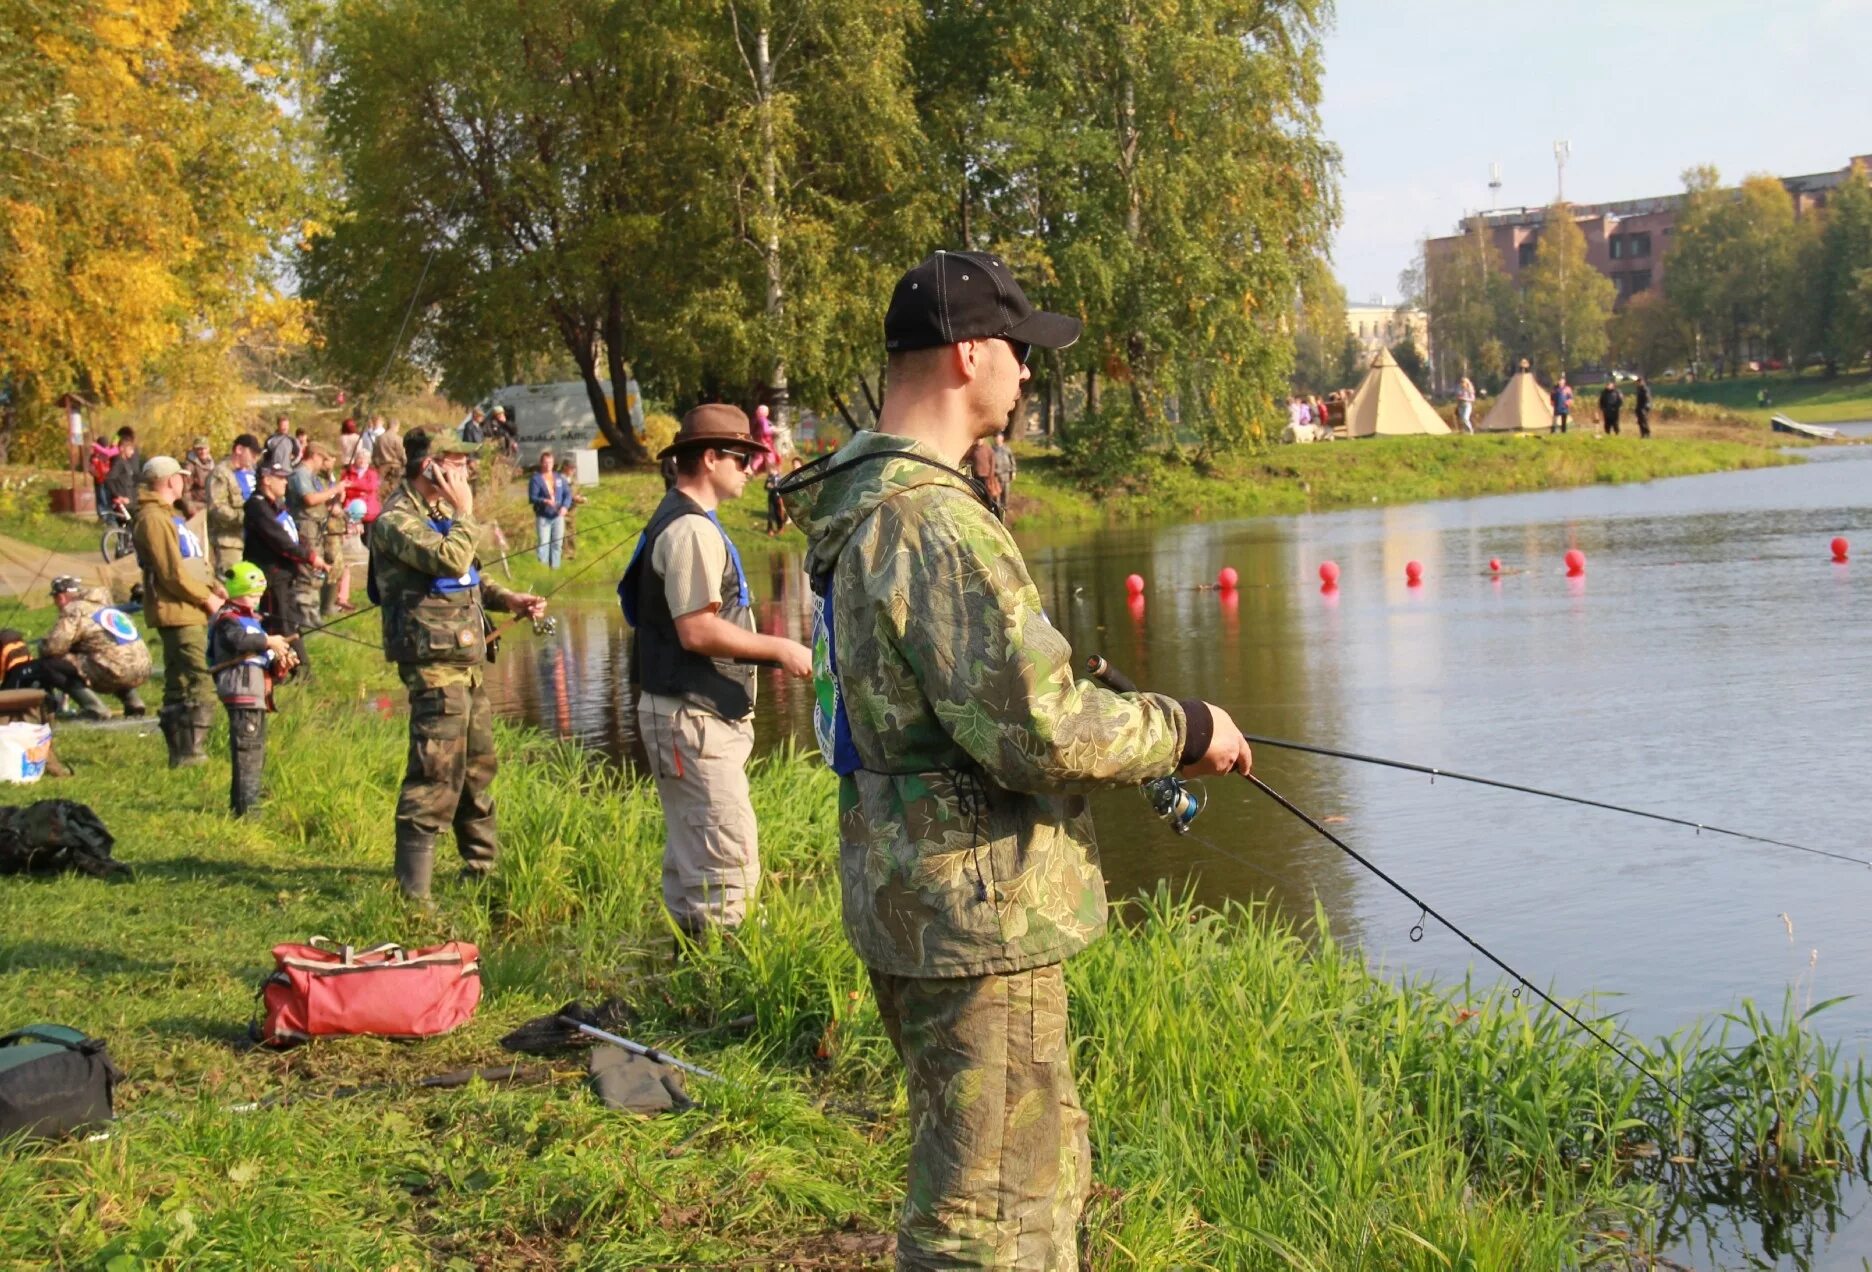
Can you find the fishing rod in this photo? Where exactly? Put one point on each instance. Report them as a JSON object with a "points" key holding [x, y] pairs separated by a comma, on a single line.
{"points": [[361, 610], [1112, 678], [1434, 773]]}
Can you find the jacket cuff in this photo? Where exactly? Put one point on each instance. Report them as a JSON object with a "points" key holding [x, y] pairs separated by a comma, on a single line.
{"points": [[1198, 729]]}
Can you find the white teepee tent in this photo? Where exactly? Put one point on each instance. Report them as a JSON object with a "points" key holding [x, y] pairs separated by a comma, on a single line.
{"points": [[1523, 407], [1387, 404]]}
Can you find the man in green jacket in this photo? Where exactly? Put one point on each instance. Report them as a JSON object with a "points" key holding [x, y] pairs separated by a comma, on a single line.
{"points": [[425, 574], [966, 746], [179, 595]]}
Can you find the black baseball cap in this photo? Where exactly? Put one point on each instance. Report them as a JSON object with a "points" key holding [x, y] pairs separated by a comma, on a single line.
{"points": [[955, 296]]}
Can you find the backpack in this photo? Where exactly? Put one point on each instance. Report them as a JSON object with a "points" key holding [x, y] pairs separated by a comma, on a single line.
{"points": [[53, 835], [53, 1081]]}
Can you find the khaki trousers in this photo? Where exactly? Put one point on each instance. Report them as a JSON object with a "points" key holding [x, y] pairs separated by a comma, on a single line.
{"points": [[1000, 1164], [711, 853]]}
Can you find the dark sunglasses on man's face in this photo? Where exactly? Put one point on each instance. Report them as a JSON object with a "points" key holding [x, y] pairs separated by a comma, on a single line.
{"points": [[1021, 349], [741, 458]]}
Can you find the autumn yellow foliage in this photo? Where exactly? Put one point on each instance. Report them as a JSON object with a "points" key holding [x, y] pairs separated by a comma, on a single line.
{"points": [[135, 228]]}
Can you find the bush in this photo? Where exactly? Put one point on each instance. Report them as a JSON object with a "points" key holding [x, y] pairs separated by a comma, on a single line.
{"points": [[659, 431], [1105, 449]]}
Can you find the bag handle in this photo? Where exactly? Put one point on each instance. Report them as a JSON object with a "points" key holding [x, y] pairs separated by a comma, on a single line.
{"points": [[350, 954]]}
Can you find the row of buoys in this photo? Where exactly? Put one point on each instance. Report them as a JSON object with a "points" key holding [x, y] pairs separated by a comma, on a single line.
{"points": [[1227, 580]]}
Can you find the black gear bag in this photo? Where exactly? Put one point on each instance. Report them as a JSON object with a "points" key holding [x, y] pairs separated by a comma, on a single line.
{"points": [[53, 1081]]}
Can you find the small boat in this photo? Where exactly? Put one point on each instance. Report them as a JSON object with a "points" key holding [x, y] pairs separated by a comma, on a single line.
{"points": [[1818, 432]]}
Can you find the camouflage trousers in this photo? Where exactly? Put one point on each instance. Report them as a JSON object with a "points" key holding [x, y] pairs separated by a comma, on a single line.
{"points": [[451, 765], [999, 1160]]}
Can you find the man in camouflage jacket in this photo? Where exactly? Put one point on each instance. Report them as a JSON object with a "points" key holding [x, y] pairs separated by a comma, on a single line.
{"points": [[966, 747], [426, 576], [230, 486], [100, 640]]}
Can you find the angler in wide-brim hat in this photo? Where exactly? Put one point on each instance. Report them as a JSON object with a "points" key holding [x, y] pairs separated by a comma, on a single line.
{"points": [[694, 661]]}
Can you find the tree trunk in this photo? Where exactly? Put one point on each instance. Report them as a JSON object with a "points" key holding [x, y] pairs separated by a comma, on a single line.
{"points": [[630, 449], [838, 400], [1091, 402], [770, 246], [962, 207]]}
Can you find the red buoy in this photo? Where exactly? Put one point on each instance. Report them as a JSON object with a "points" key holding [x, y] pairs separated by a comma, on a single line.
{"points": [[1226, 579], [1575, 563], [1134, 584], [1413, 573], [1329, 573], [1839, 548], [1494, 565]]}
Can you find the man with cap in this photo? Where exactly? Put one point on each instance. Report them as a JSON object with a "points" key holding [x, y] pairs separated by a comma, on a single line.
{"points": [[230, 486], [271, 541], [179, 595], [966, 745], [101, 642], [310, 493], [693, 662], [426, 576], [197, 465]]}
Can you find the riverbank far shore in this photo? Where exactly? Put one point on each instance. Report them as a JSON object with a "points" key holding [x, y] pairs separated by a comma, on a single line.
{"points": [[1258, 1100], [1293, 479]]}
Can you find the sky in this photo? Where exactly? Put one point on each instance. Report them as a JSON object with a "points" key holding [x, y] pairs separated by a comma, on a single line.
{"points": [[1422, 95]]}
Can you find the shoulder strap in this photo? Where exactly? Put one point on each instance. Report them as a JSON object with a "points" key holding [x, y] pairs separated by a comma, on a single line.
{"points": [[57, 1035]]}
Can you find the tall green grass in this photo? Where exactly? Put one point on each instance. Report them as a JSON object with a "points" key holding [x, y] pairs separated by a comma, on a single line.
{"points": [[1259, 1099]]}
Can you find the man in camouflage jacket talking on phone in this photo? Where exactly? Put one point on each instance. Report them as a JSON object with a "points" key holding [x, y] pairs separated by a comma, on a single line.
{"points": [[426, 575]]}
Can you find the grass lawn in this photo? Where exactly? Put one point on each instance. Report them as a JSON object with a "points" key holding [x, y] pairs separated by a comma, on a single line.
{"points": [[1257, 1100], [1806, 396]]}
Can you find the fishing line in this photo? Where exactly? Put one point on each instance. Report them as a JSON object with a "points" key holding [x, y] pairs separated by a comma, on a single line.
{"points": [[1434, 773], [1103, 671]]}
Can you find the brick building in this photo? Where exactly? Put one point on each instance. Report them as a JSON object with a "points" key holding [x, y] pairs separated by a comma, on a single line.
{"points": [[1628, 241]]}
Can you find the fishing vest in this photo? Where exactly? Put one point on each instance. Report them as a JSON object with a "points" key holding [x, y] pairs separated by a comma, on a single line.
{"points": [[437, 621], [250, 624], [658, 662], [116, 624]]}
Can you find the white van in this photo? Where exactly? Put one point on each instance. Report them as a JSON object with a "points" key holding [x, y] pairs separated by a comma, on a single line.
{"points": [[558, 417]]}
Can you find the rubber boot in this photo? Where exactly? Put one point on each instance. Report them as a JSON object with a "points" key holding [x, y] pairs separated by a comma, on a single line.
{"points": [[192, 734], [89, 703], [415, 863], [170, 720], [133, 705]]}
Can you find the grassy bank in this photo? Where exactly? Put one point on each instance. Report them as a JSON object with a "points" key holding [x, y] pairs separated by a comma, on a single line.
{"points": [[1807, 396], [1257, 1101], [1295, 479]]}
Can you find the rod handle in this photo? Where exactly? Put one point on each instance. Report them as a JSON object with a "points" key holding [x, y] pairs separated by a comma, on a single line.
{"points": [[1108, 675]]}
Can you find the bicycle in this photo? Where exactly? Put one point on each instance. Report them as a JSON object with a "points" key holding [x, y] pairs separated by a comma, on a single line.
{"points": [[116, 542]]}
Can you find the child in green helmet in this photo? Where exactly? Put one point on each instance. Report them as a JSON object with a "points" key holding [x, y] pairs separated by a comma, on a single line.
{"points": [[246, 662]]}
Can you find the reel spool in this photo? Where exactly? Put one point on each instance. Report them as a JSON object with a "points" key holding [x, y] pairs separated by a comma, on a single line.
{"points": [[1172, 799]]}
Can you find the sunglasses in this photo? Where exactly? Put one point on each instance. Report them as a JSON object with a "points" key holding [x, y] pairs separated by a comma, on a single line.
{"points": [[1021, 349], [741, 458]]}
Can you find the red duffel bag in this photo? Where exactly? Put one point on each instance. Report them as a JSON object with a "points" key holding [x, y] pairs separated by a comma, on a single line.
{"points": [[322, 990]]}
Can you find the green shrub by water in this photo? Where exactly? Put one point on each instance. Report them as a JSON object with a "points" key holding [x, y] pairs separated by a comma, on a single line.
{"points": [[1258, 1099]]}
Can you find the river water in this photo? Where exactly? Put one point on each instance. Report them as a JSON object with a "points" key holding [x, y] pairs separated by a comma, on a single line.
{"points": [[1712, 664]]}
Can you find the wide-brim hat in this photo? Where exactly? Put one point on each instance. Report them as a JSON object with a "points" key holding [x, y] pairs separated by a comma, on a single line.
{"points": [[715, 424]]}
